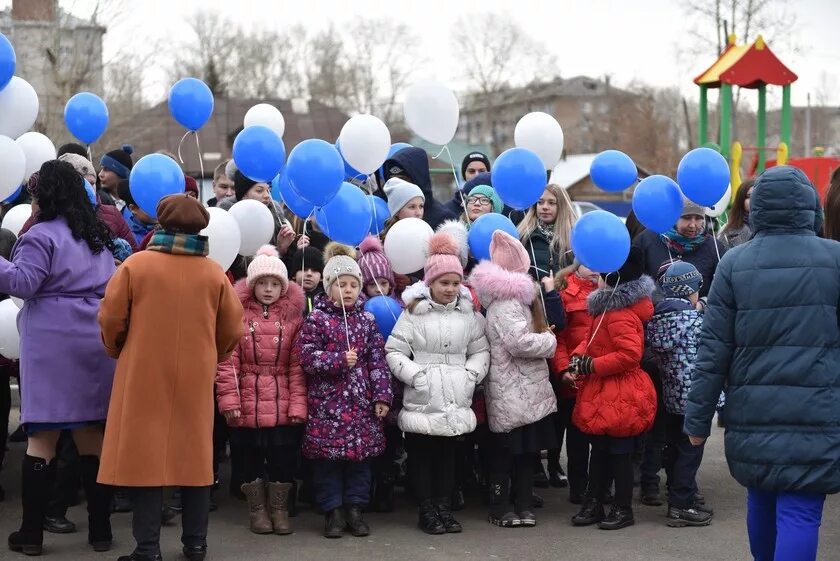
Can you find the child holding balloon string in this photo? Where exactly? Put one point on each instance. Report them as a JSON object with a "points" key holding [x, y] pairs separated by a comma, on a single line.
{"points": [[348, 394]]}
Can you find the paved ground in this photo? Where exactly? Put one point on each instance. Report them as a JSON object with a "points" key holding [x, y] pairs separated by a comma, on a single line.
{"points": [[394, 536]]}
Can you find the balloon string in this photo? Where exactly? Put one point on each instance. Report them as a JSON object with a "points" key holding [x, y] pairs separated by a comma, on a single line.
{"points": [[303, 253], [344, 312], [452, 166], [181, 159], [603, 314], [200, 160], [90, 154], [373, 205]]}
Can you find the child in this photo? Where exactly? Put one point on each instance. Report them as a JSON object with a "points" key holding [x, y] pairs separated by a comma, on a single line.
{"points": [[672, 335], [261, 390], [412, 164], [405, 200], [377, 275], [616, 400], [305, 268], [520, 399], [439, 351], [349, 393], [579, 283], [140, 223]]}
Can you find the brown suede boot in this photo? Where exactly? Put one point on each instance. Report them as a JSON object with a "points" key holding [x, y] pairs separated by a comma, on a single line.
{"points": [[278, 501], [258, 515]]}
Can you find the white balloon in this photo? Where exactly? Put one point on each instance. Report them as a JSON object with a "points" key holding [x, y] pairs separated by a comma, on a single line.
{"points": [[256, 225], [16, 217], [38, 149], [224, 237], [9, 336], [365, 141], [12, 166], [717, 209], [18, 301], [542, 134], [267, 115], [431, 111], [406, 245], [18, 108]]}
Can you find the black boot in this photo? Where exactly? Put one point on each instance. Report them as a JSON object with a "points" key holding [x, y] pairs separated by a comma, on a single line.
{"points": [[383, 500], [619, 517], [444, 510], [592, 512], [98, 504], [333, 524], [458, 501], [356, 522], [37, 482], [501, 513], [58, 525], [429, 520]]}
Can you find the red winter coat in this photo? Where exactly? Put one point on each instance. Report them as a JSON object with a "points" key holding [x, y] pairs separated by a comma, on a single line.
{"points": [[263, 378], [617, 399], [578, 326]]}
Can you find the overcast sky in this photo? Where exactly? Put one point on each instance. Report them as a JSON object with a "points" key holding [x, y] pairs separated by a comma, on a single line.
{"points": [[639, 39]]}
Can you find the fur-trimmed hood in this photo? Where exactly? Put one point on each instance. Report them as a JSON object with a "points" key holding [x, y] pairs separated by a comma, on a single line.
{"points": [[625, 295], [420, 291], [492, 283], [290, 306]]}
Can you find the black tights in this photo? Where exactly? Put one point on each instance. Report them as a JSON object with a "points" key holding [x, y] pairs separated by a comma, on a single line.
{"points": [[602, 467], [277, 462], [432, 465]]}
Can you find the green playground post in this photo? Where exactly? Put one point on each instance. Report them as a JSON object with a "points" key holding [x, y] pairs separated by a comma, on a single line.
{"points": [[785, 127], [725, 119], [704, 115], [761, 126]]}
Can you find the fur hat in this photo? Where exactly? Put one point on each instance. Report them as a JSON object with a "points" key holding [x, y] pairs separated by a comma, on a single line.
{"points": [[373, 262], [306, 258], [341, 260], [267, 263], [458, 230], [443, 258], [690, 208], [508, 253], [119, 161], [182, 214], [81, 164], [399, 192], [681, 279]]}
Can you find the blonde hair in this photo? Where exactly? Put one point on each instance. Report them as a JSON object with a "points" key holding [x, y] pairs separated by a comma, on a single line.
{"points": [[566, 218]]}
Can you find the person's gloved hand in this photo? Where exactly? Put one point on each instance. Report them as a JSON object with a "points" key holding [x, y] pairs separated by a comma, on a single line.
{"points": [[582, 365]]}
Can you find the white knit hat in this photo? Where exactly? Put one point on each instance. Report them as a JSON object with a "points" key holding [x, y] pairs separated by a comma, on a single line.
{"points": [[81, 164], [267, 263], [341, 260], [399, 192]]}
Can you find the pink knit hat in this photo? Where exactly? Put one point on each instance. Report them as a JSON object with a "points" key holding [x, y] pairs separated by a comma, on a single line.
{"points": [[373, 263], [443, 258], [508, 253], [267, 263]]}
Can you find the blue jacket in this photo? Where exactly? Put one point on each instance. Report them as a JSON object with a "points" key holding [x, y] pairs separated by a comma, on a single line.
{"points": [[414, 163], [771, 335], [705, 257], [139, 229]]}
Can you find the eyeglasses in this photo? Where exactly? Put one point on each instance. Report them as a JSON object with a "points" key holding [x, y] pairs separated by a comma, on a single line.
{"points": [[480, 201]]}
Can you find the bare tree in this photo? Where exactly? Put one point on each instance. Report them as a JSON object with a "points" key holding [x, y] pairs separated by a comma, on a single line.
{"points": [[326, 72], [209, 54]]}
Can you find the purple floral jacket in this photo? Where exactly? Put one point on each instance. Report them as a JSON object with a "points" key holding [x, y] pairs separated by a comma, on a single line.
{"points": [[342, 424]]}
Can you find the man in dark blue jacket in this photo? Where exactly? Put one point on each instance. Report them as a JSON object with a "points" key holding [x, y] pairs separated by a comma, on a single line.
{"points": [[771, 338], [412, 164]]}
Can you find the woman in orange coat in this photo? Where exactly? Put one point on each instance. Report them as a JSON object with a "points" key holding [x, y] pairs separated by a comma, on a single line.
{"points": [[616, 401], [169, 316]]}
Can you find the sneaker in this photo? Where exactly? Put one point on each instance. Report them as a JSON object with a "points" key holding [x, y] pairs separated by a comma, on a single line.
{"points": [[619, 517], [505, 520], [650, 496], [703, 508], [558, 478], [590, 513], [527, 519], [682, 517]]}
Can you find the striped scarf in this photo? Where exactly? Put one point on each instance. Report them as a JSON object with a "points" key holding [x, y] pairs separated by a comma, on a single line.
{"points": [[179, 244]]}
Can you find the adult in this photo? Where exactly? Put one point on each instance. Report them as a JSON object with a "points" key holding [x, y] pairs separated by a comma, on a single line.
{"points": [[473, 164], [831, 227], [222, 185], [412, 165], [771, 339], [114, 166], [737, 229], [546, 232], [60, 269], [160, 420]]}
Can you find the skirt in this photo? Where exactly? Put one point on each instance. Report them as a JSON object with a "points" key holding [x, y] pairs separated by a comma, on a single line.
{"points": [[530, 439], [33, 428], [266, 437]]}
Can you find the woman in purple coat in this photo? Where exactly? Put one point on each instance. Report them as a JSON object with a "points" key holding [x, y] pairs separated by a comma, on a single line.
{"points": [[60, 268]]}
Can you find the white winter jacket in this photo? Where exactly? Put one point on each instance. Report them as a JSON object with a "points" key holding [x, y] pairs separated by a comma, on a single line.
{"points": [[440, 353]]}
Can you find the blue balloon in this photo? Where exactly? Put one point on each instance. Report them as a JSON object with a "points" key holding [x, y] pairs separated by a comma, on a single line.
{"points": [[152, 178], [703, 175], [518, 177], [315, 170], [657, 203], [613, 171], [8, 61], [14, 195], [380, 213], [601, 241], [86, 117], [346, 218], [191, 103], [259, 153], [91, 193], [349, 171], [481, 232], [386, 311], [281, 190]]}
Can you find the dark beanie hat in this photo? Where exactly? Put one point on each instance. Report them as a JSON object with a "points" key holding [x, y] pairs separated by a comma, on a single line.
{"points": [[71, 148], [190, 185], [119, 161], [182, 214], [473, 157], [309, 258], [633, 269], [241, 184]]}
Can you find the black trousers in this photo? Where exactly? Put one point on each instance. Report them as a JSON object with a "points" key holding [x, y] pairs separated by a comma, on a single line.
{"points": [[147, 503], [577, 447], [278, 463], [384, 466], [518, 468], [654, 440], [612, 459], [5, 410], [432, 465], [682, 460]]}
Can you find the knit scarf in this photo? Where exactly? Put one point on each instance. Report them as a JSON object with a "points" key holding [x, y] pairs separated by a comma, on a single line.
{"points": [[179, 244], [680, 244], [547, 230]]}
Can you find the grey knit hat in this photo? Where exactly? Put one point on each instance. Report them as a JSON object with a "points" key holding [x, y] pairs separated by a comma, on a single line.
{"points": [[690, 208], [341, 260], [399, 192]]}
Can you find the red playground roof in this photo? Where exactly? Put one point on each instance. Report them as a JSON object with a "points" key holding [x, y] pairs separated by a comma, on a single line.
{"points": [[747, 67]]}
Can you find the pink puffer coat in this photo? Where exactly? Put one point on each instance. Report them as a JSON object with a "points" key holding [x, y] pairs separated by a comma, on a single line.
{"points": [[263, 378]]}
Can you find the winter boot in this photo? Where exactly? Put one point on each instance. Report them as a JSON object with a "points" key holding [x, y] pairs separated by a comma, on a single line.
{"points": [[383, 500], [255, 495], [356, 522], [278, 502], [98, 504], [333, 524], [501, 513], [619, 517], [592, 512], [37, 482], [682, 517], [429, 520], [650, 495], [444, 510]]}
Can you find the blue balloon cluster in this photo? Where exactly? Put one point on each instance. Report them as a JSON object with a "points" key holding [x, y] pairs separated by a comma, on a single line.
{"points": [[613, 171], [8, 61], [601, 241], [657, 203], [482, 230], [259, 153], [386, 311], [316, 171], [86, 117], [703, 175], [191, 103], [346, 217], [281, 190], [380, 213], [152, 178], [518, 177]]}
